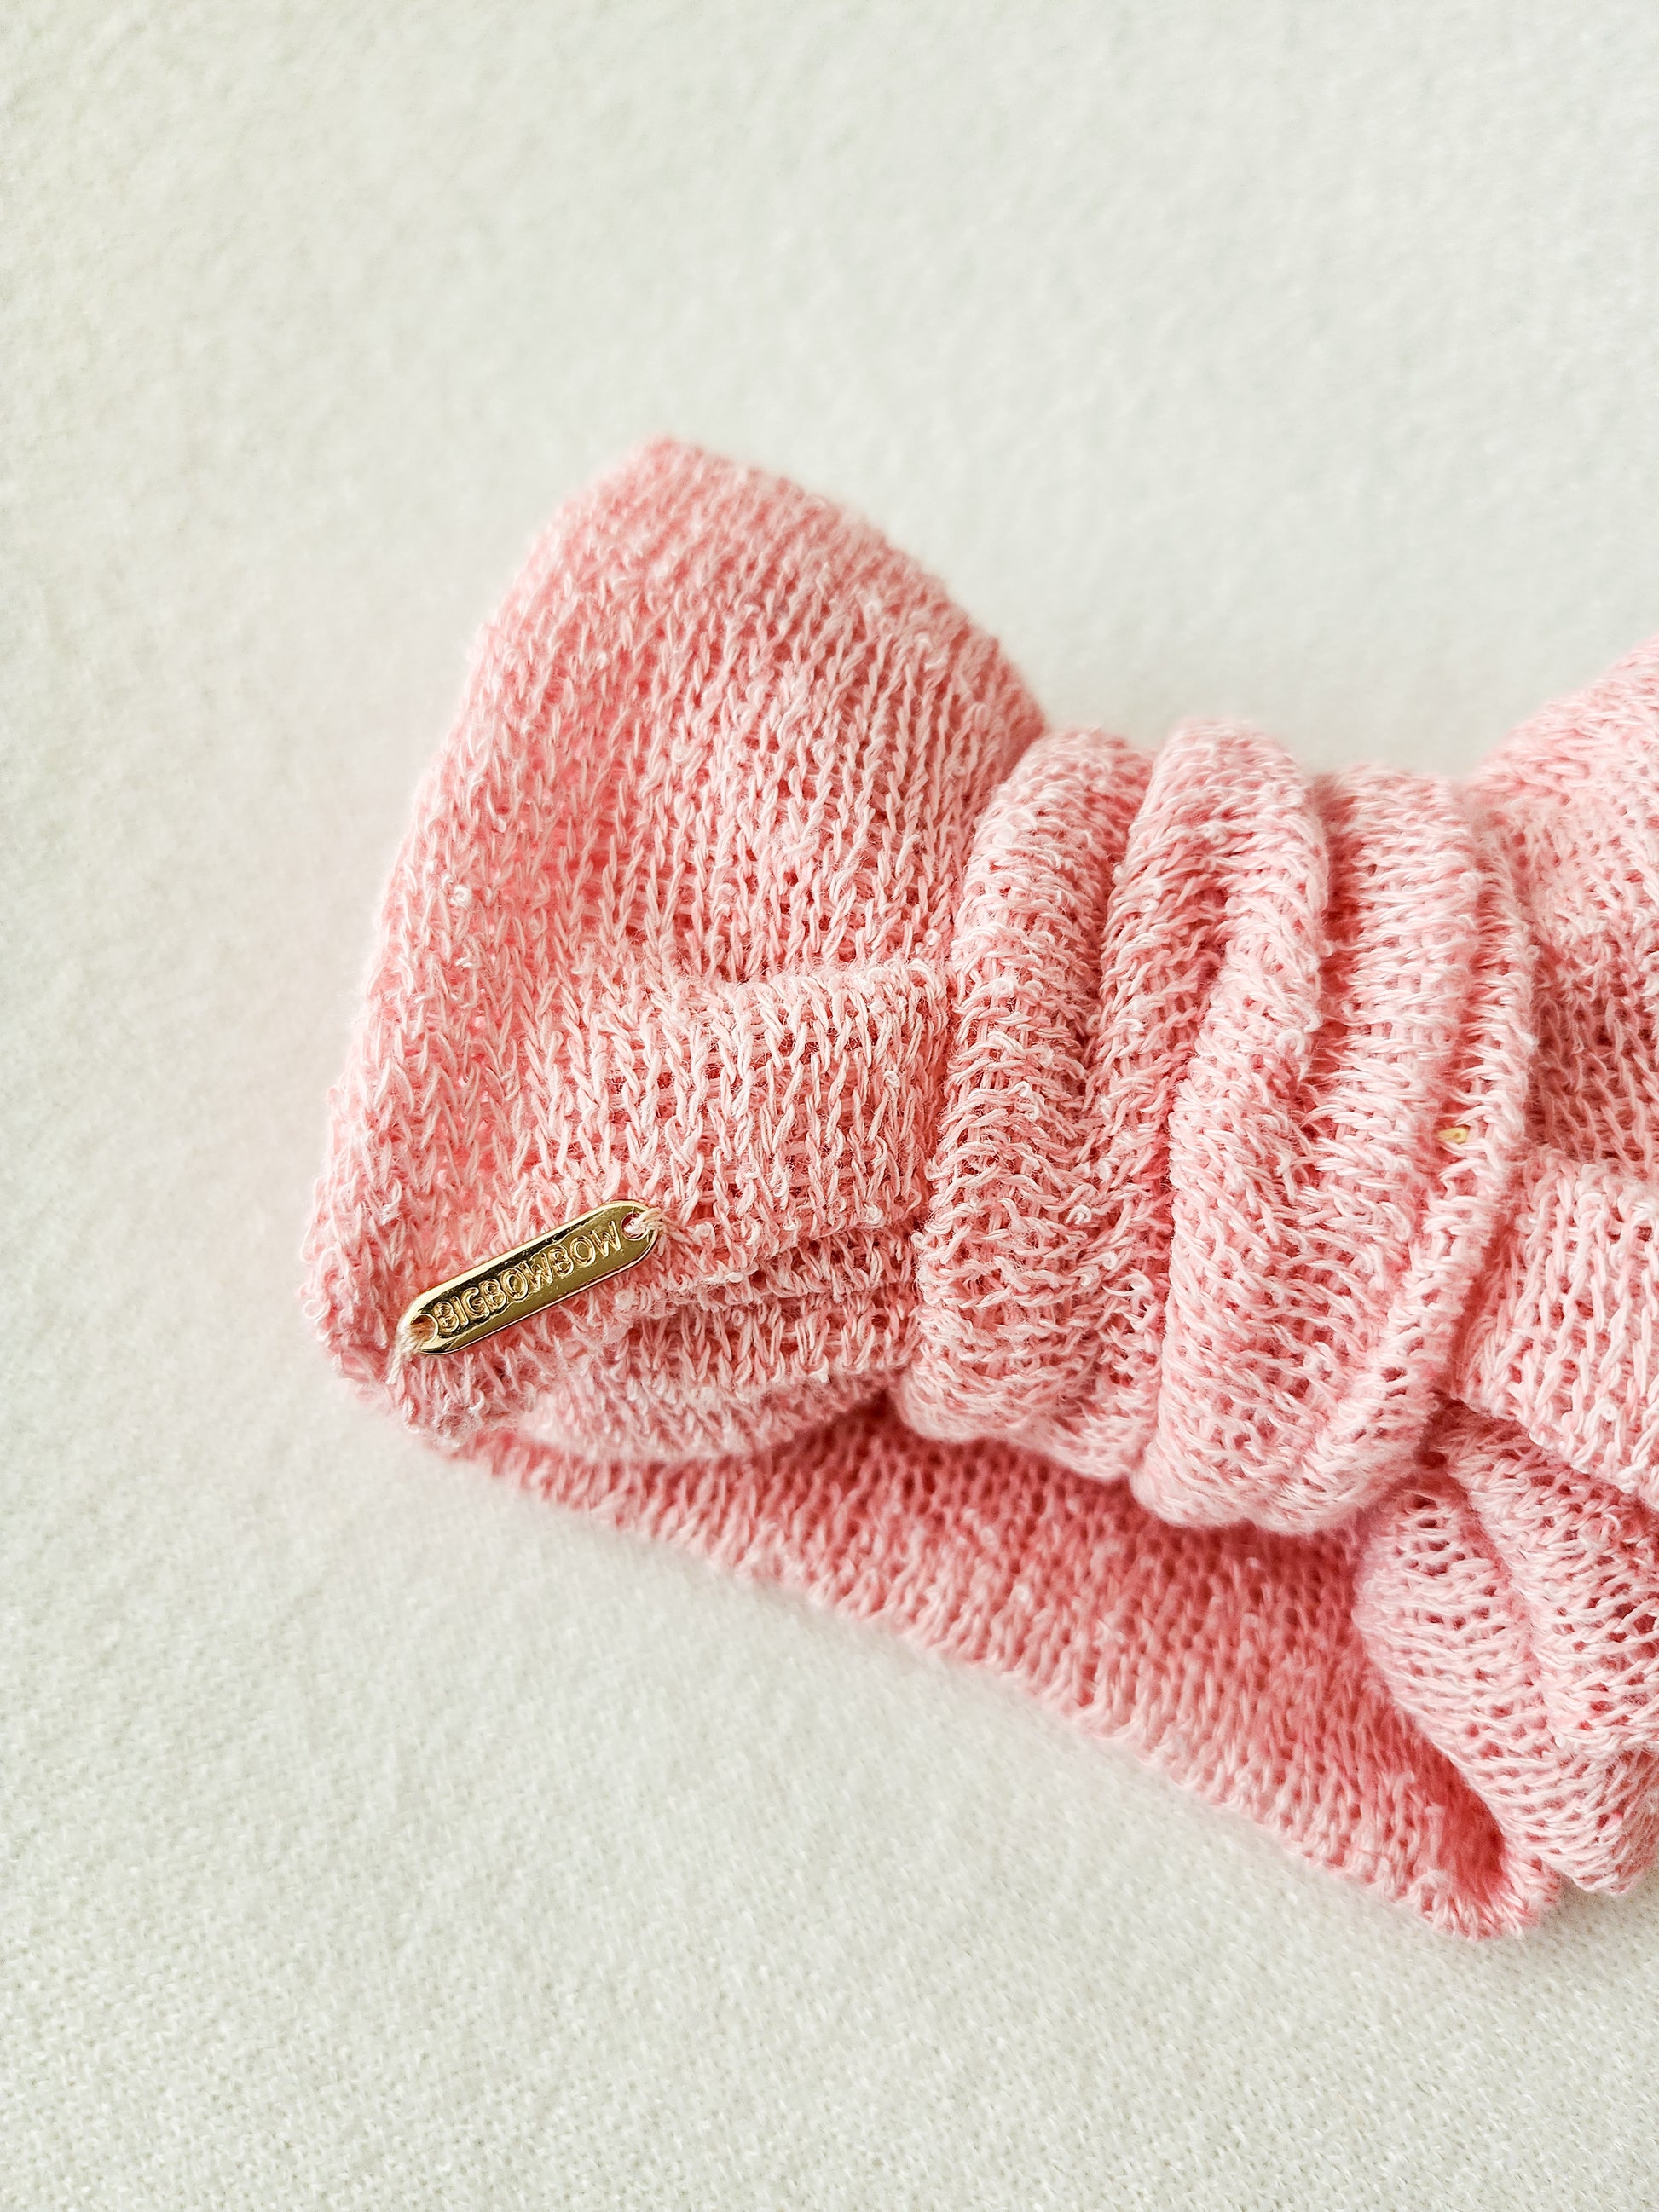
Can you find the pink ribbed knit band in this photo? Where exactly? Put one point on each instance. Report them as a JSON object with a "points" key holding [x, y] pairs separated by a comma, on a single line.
{"points": [[1180, 1234]]}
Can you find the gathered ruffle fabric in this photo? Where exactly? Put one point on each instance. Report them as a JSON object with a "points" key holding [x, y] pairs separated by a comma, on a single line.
{"points": [[1183, 1235]]}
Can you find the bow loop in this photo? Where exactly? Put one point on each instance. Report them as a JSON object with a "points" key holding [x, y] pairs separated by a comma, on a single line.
{"points": [[1514, 1613]]}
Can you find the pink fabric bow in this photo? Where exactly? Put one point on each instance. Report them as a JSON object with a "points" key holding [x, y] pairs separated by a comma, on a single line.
{"points": [[1185, 1236]]}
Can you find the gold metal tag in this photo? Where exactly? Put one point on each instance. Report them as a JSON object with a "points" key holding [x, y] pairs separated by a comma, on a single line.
{"points": [[499, 1292]]}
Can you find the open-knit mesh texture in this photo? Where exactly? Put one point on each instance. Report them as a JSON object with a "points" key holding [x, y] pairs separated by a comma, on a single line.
{"points": [[1175, 1231]]}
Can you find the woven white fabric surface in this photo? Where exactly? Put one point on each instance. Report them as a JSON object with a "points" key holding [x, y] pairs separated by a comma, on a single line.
{"points": [[374, 1836]]}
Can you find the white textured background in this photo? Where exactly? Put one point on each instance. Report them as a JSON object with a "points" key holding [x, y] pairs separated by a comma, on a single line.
{"points": [[373, 1836]]}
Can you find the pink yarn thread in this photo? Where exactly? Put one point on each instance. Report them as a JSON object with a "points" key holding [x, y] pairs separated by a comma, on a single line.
{"points": [[1177, 1233]]}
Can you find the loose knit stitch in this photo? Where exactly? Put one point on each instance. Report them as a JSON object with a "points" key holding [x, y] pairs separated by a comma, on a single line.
{"points": [[1183, 1235]]}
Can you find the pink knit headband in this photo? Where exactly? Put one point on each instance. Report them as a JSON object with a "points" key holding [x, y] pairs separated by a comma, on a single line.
{"points": [[1181, 1235]]}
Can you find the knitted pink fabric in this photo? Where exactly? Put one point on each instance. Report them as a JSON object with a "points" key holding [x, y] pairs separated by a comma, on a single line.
{"points": [[1179, 1234]]}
